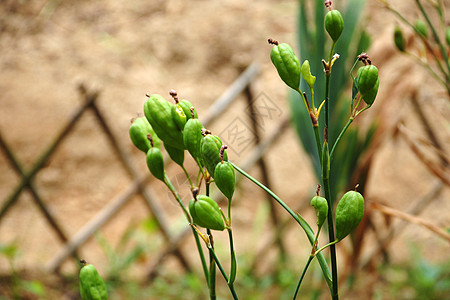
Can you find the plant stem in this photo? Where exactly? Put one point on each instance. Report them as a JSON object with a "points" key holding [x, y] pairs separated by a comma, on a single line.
{"points": [[202, 256], [177, 197], [230, 285], [298, 218], [187, 176], [188, 217], [233, 264], [212, 264], [212, 267], [301, 277], [350, 120], [326, 186], [436, 37], [318, 144]]}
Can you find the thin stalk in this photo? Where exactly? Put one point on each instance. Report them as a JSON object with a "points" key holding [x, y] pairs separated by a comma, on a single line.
{"points": [[188, 217], [302, 276], [212, 267], [436, 36], [212, 264], [177, 197], [350, 120], [233, 263], [404, 20], [230, 285], [327, 245], [202, 256], [187, 176], [326, 185], [298, 218], [317, 136]]}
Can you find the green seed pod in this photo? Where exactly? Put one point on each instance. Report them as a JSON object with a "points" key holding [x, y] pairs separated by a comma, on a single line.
{"points": [[186, 106], [177, 155], [399, 39], [159, 114], [155, 163], [192, 137], [286, 63], [210, 152], [334, 24], [92, 286], [320, 204], [178, 116], [225, 179], [139, 131], [306, 73], [369, 97], [421, 28], [366, 78], [205, 212], [349, 213], [367, 82], [447, 35]]}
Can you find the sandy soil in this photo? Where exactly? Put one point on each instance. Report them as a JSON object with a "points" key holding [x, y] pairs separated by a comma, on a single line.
{"points": [[127, 48]]}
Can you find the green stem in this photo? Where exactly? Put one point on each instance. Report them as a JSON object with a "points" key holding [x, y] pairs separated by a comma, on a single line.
{"points": [[188, 217], [317, 136], [212, 267], [230, 285], [350, 120], [404, 20], [202, 256], [436, 37], [187, 176], [233, 263], [302, 276], [327, 245], [298, 218], [326, 184], [334, 276], [177, 197]]}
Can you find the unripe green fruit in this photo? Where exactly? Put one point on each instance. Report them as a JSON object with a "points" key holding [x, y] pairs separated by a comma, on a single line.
{"points": [[349, 213], [205, 212], [210, 150], [178, 116], [155, 163], [92, 286], [334, 24], [186, 106], [399, 39], [192, 137], [369, 96], [367, 82], [139, 131], [287, 64], [306, 73], [159, 114], [421, 28], [320, 204], [177, 155], [224, 178]]}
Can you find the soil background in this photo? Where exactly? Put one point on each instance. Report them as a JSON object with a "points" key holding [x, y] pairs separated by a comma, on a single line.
{"points": [[125, 49]]}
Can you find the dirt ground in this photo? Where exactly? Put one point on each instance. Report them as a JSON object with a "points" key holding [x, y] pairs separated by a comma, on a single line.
{"points": [[128, 48]]}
